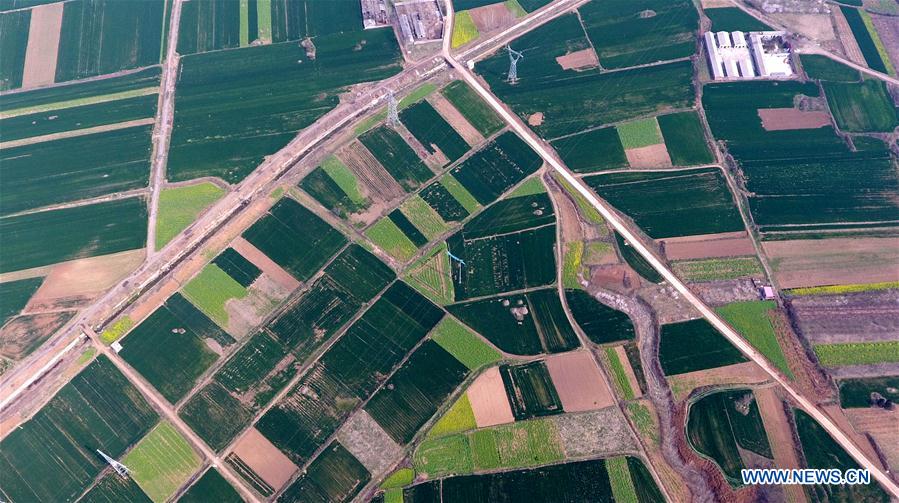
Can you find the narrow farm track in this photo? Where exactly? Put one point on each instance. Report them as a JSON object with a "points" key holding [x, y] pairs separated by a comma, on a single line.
{"points": [[631, 236], [81, 202]]}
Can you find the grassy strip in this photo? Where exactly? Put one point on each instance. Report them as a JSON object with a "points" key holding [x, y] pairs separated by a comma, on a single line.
{"points": [[161, 462], [718, 268], [857, 353], [180, 206], [530, 187], [620, 478], [641, 133], [391, 239], [423, 217], [842, 289], [117, 329], [399, 478], [459, 418], [462, 343], [344, 178], [244, 23], [264, 20], [210, 290], [60, 105], [515, 8], [574, 255], [587, 210], [464, 29], [875, 37], [642, 418], [751, 320], [460, 193], [620, 375]]}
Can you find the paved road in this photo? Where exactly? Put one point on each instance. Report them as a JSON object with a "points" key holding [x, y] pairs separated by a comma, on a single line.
{"points": [[619, 225]]}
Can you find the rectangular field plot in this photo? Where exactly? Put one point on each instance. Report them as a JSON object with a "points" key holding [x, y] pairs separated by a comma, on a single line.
{"points": [[423, 217], [397, 157], [295, 238], [803, 176], [600, 323], [497, 167], [107, 36], [75, 168], [695, 345], [390, 237], [14, 27], [751, 319], [823, 68], [80, 232], [171, 347], [335, 476], [685, 139], [470, 105], [237, 267], [596, 150], [298, 19], [669, 204], [210, 290], [235, 107], [209, 25], [462, 343], [431, 276], [862, 107], [734, 19], [215, 415], [531, 390], [211, 487], [52, 457], [513, 214], [629, 33], [349, 371], [857, 393], [112, 488], [336, 187], [415, 391], [447, 204], [161, 462], [866, 40], [432, 130]]}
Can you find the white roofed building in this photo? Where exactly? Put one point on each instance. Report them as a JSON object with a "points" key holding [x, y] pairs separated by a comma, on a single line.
{"points": [[732, 57]]}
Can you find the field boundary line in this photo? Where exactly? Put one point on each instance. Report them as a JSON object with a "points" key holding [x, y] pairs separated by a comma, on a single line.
{"points": [[74, 133], [115, 196]]}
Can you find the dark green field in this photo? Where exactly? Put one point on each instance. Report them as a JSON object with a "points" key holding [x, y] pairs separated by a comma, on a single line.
{"points": [[14, 28], [415, 391], [297, 19], [498, 166], [408, 228], [349, 371], [826, 69], [169, 347], [52, 457], [674, 203], [857, 392], [430, 128], [325, 190], [335, 476], [599, 322], [623, 37], [865, 42], [397, 157], [295, 238], [235, 107], [443, 202], [84, 231], [258, 370], [113, 489], [76, 168], [235, 265], [555, 331], [215, 415], [716, 427], [685, 139], [530, 389], [695, 345], [511, 215], [496, 321], [734, 19], [572, 482], [473, 108], [862, 107], [806, 176], [131, 81], [107, 36], [14, 295], [208, 26], [596, 150], [211, 487]]}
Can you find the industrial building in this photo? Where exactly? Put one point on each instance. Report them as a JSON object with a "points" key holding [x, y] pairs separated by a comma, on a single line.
{"points": [[766, 55], [419, 20], [374, 14]]}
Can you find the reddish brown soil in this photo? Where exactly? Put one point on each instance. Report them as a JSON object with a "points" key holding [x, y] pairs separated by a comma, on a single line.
{"points": [[839, 416], [264, 458], [491, 17], [488, 399], [651, 156], [267, 265], [446, 110], [579, 60], [882, 425], [728, 244], [836, 261], [580, 384], [618, 278], [535, 119], [43, 45], [741, 373], [780, 435], [779, 119]]}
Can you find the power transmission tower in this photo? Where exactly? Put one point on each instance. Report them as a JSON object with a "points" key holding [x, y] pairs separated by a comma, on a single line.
{"points": [[514, 56], [393, 115], [119, 468]]}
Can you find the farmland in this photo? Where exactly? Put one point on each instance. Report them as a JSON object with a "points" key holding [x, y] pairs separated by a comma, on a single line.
{"points": [[423, 217], [445, 203], [14, 295], [431, 129], [210, 290], [390, 238], [670, 204], [336, 187], [482, 117], [636, 261], [734, 19], [407, 228], [180, 206], [513, 214], [215, 415], [862, 107], [751, 319], [826, 69], [600, 323], [14, 27], [161, 462], [98, 409], [857, 393], [430, 275], [639, 133], [459, 417], [459, 341], [857, 353], [209, 26], [297, 19], [237, 267], [718, 269], [495, 168], [150, 348], [295, 238], [694, 345], [865, 39], [112, 488], [531, 390], [235, 107], [720, 424], [596, 150], [397, 157], [685, 139], [79, 232], [211, 486], [334, 476]]}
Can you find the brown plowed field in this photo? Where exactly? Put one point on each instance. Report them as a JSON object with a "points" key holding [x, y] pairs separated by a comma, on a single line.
{"points": [[618, 278], [779, 119], [491, 17], [23, 334], [780, 436], [856, 317], [378, 181], [452, 115], [580, 384], [43, 45], [264, 458], [741, 373], [883, 426], [888, 30], [727, 244], [836, 261], [839, 417], [267, 265], [488, 399], [844, 33], [651, 156], [579, 60]]}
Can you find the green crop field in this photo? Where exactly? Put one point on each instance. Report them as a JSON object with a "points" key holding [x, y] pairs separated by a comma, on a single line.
{"points": [[866, 41], [695, 345], [734, 19], [530, 390], [79, 232], [112, 488], [857, 353], [397, 157], [161, 462], [237, 267], [495, 319], [599, 322], [596, 150], [121, 36], [457, 418], [618, 372], [464, 29], [14, 28], [52, 457], [180, 206], [431, 129], [75, 168], [669, 204], [826, 69], [431, 275], [572, 264], [512, 214], [685, 139], [718, 268], [295, 238], [14, 295], [438, 197], [415, 391], [211, 487], [215, 415], [862, 107], [857, 393], [406, 227], [556, 332], [750, 319], [464, 344], [473, 108], [297, 19], [720, 424], [209, 26], [640, 133], [235, 107], [334, 476], [169, 349], [210, 290], [450, 454], [336, 187], [624, 35], [391, 239], [401, 477], [620, 479]]}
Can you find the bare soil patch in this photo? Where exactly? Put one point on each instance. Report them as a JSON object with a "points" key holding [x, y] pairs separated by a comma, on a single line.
{"points": [[265, 264], [670, 306], [810, 379], [846, 38], [264, 458], [371, 445], [23, 334], [882, 426], [856, 317], [777, 427], [817, 27], [580, 384], [535, 119], [741, 373], [780, 119], [43, 45], [491, 17], [628, 371], [619, 278], [888, 29], [264, 295], [488, 399], [452, 115], [579, 60], [719, 293], [836, 261], [374, 177], [77, 282], [728, 244], [597, 433], [850, 371], [839, 416], [712, 4], [650, 156]]}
